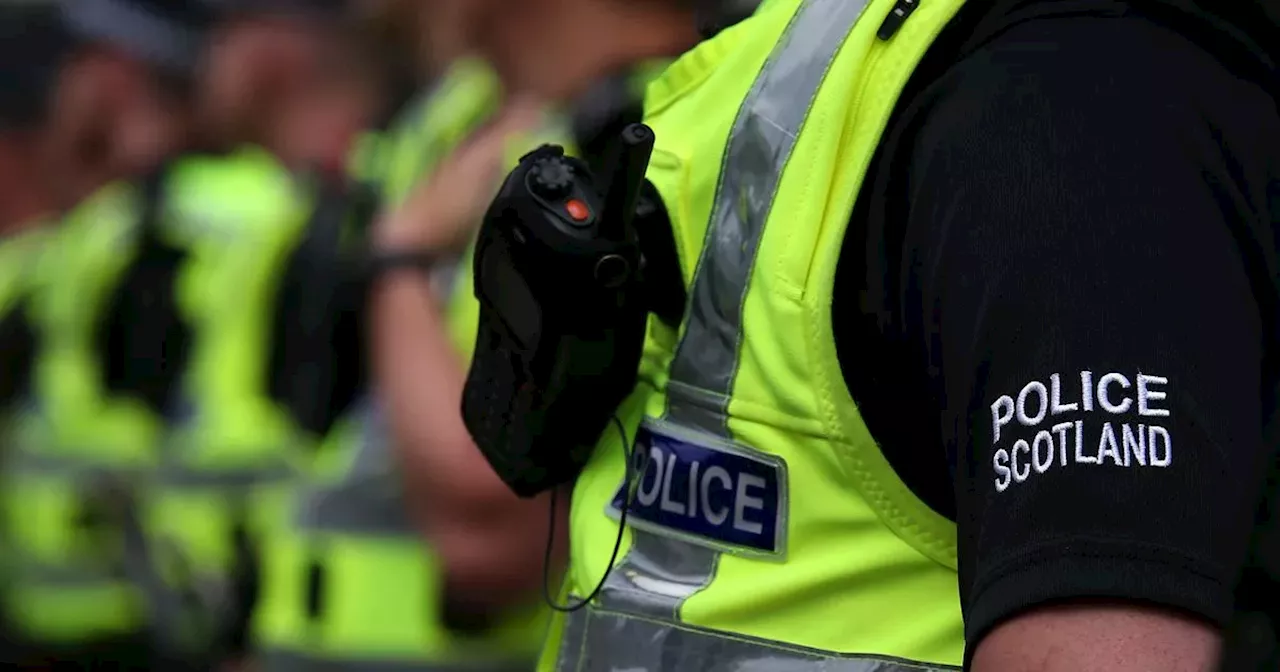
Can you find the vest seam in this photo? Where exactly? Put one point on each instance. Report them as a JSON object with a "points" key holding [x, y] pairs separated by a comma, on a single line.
{"points": [[934, 544]]}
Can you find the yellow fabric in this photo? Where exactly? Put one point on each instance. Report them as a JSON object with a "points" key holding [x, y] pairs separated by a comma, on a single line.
{"points": [[868, 568], [377, 598], [378, 590], [76, 422], [70, 615], [226, 211], [463, 99], [218, 208], [90, 251], [19, 255]]}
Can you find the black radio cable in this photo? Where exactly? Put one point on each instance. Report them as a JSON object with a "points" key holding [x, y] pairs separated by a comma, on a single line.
{"points": [[629, 488]]}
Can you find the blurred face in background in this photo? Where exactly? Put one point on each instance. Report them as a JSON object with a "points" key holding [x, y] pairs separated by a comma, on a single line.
{"points": [[552, 49], [451, 28], [111, 117], [318, 126], [400, 28], [301, 87], [25, 193], [257, 67]]}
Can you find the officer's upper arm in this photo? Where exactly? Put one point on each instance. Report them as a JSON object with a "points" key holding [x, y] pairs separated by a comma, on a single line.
{"points": [[1098, 636], [1090, 309]]}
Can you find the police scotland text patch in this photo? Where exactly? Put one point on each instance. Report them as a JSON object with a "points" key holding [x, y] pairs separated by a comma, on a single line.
{"points": [[707, 491], [1093, 420]]}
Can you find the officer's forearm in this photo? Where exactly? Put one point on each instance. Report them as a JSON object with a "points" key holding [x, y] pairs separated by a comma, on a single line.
{"points": [[476, 590], [486, 535], [421, 379]]}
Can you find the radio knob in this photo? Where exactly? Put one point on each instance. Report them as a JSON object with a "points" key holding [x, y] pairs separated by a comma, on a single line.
{"points": [[551, 179]]}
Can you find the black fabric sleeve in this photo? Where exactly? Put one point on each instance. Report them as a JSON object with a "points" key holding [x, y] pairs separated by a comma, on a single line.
{"points": [[1085, 253]]}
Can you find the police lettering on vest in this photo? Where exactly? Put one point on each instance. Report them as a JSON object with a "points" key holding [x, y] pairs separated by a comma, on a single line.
{"points": [[1050, 429], [707, 491]]}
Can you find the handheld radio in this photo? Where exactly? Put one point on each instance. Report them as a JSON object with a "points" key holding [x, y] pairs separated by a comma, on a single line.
{"points": [[559, 274]]}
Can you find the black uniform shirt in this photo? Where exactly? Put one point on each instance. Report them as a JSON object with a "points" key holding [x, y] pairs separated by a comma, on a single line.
{"points": [[1065, 261]]}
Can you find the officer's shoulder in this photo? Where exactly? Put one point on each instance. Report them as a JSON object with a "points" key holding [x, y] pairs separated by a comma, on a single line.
{"points": [[1079, 80]]}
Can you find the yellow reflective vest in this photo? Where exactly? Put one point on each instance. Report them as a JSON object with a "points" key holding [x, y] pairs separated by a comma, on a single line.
{"points": [[767, 531], [229, 453], [76, 447], [106, 504]]}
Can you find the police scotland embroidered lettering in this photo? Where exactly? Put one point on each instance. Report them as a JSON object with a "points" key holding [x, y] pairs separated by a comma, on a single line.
{"points": [[703, 494], [1109, 419]]}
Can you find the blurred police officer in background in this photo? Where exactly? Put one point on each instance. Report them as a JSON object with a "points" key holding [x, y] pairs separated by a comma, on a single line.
{"points": [[271, 69], [151, 344], [118, 109], [350, 581], [937, 332]]}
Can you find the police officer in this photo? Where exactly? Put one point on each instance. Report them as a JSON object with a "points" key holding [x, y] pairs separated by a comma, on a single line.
{"points": [[940, 331]]}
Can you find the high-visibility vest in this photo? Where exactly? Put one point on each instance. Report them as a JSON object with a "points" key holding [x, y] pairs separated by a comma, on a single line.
{"points": [[349, 583], [767, 530], [353, 586], [229, 453], [85, 453], [76, 446]]}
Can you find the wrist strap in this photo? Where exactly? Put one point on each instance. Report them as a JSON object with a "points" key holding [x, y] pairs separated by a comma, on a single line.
{"points": [[383, 262]]}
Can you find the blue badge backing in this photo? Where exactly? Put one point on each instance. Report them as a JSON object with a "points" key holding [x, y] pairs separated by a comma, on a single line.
{"points": [[707, 491]]}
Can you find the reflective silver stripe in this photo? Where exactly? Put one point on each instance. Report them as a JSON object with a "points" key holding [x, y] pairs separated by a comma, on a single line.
{"points": [[180, 475], [182, 451], [279, 660], [371, 507], [369, 499], [30, 571], [74, 464], [659, 573], [600, 641]]}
